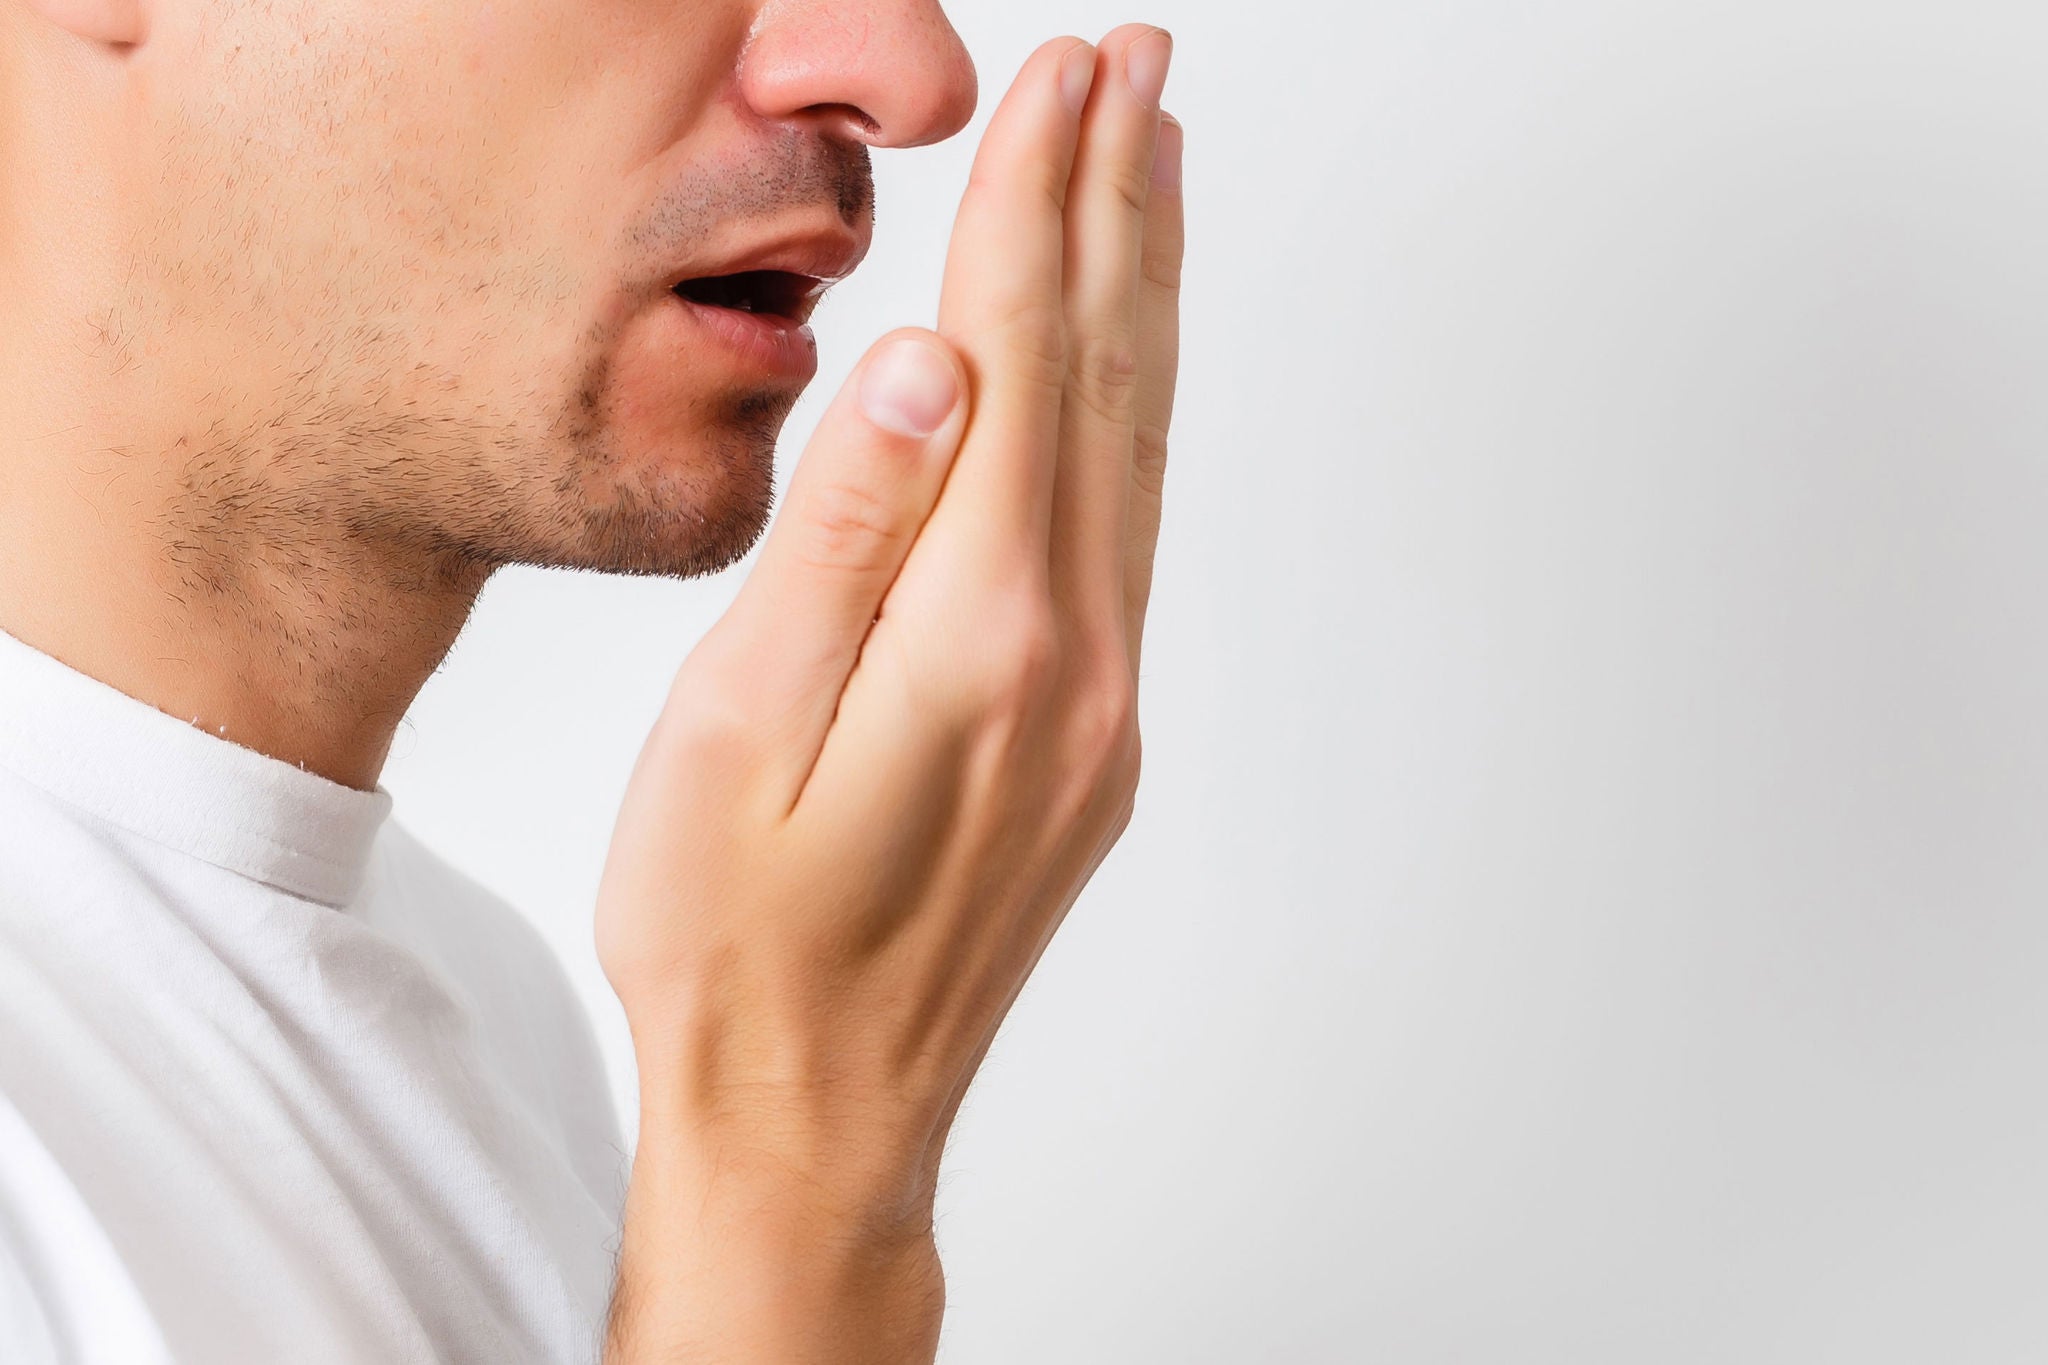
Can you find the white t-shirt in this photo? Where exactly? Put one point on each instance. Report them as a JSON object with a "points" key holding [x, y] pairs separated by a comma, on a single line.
{"points": [[276, 1083]]}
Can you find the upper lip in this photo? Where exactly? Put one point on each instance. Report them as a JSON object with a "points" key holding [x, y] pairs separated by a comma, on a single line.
{"points": [[826, 255]]}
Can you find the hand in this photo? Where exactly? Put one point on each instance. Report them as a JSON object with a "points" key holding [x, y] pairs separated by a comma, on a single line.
{"points": [[884, 776]]}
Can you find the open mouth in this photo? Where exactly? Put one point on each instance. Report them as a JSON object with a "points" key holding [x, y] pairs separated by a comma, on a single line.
{"points": [[774, 293]]}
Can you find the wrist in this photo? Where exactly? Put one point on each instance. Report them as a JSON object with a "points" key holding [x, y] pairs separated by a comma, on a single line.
{"points": [[731, 1256], [789, 1123]]}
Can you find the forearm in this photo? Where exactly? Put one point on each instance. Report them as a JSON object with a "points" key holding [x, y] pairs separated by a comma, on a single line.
{"points": [[725, 1265]]}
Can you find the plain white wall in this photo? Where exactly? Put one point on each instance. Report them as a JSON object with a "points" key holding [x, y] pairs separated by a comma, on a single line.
{"points": [[1586, 901]]}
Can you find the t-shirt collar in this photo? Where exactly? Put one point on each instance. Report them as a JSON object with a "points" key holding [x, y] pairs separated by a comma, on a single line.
{"points": [[169, 781]]}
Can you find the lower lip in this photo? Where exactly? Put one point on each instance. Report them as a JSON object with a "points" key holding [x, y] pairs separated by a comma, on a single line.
{"points": [[767, 341]]}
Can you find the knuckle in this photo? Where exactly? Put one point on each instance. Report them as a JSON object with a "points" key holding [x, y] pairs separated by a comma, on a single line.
{"points": [[1001, 660], [1034, 338], [1104, 366], [1112, 723], [1148, 458], [1103, 725], [1031, 664], [1131, 183], [1011, 677], [1160, 264], [707, 712], [846, 526]]}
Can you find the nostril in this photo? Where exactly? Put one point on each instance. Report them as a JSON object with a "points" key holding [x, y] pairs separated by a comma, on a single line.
{"points": [[844, 127], [847, 121]]}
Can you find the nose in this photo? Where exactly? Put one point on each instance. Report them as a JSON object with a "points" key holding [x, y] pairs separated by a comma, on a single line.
{"points": [[889, 73]]}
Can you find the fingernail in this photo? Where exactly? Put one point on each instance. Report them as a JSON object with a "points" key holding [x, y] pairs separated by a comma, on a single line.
{"points": [[908, 389], [1077, 73], [1166, 156], [1145, 65]]}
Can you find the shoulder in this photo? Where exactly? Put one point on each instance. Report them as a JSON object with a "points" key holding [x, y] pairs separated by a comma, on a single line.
{"points": [[477, 934], [529, 1015]]}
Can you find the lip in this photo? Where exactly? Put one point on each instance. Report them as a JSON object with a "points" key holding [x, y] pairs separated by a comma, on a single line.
{"points": [[826, 255], [781, 346]]}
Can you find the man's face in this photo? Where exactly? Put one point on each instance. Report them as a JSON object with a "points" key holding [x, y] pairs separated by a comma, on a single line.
{"points": [[406, 272]]}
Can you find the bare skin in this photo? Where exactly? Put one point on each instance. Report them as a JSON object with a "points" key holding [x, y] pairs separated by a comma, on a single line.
{"points": [[294, 386], [321, 311], [846, 845]]}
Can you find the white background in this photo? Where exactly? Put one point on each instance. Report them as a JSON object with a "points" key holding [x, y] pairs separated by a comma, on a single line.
{"points": [[1586, 902]]}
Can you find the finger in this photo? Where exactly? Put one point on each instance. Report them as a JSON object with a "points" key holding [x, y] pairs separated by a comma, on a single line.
{"points": [[867, 481], [1158, 376], [1105, 231], [1000, 303]]}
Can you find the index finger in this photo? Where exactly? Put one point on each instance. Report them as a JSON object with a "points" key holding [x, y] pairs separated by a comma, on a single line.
{"points": [[1001, 306]]}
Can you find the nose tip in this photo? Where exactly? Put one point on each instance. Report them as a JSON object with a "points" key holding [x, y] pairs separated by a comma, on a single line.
{"points": [[889, 74], [946, 102]]}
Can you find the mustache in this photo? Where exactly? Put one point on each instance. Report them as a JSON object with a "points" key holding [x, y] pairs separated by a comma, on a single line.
{"points": [[798, 171]]}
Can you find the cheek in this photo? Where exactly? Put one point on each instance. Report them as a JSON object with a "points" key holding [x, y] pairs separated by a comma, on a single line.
{"points": [[483, 38]]}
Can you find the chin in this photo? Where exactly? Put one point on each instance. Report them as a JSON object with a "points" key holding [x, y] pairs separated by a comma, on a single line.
{"points": [[680, 509]]}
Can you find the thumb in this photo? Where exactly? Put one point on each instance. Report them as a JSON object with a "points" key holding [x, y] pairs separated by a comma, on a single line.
{"points": [[862, 491]]}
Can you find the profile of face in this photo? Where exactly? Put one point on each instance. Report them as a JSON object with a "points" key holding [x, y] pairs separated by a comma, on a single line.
{"points": [[497, 281]]}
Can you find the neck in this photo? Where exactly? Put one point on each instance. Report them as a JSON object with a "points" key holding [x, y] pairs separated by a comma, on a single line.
{"points": [[217, 598], [153, 532]]}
